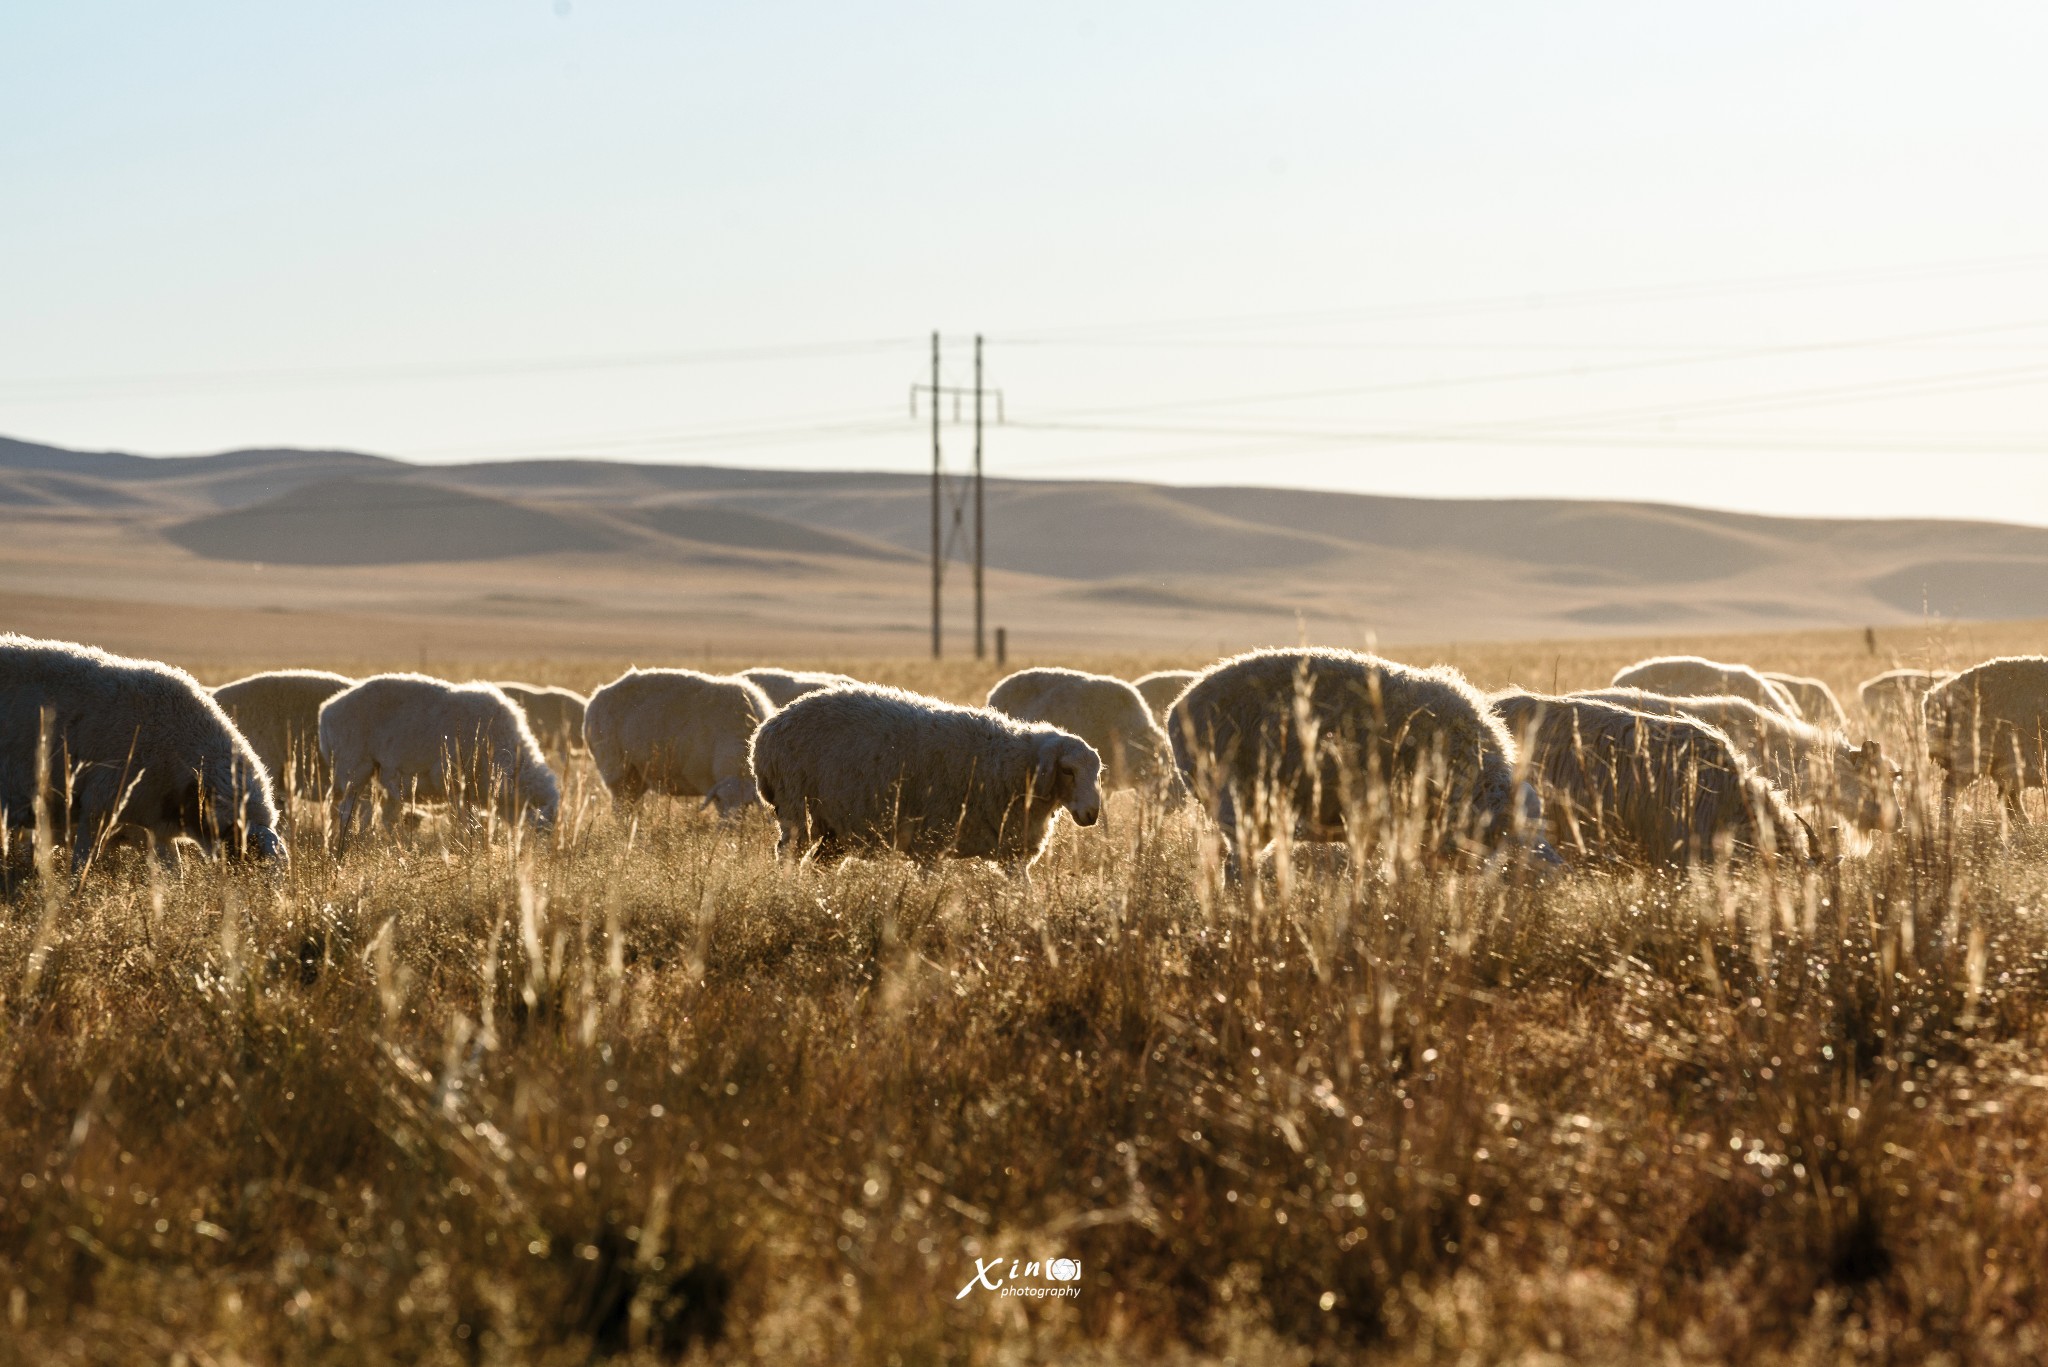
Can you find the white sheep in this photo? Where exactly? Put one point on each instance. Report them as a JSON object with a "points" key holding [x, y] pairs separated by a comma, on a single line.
{"points": [[1992, 720], [1817, 702], [877, 768], [1894, 696], [431, 740], [279, 714], [1381, 734], [554, 714], [785, 686], [1106, 712], [1161, 687], [1640, 787], [678, 732], [1813, 766], [1690, 676], [136, 745]]}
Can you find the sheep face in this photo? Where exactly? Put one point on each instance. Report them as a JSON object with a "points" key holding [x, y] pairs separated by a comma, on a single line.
{"points": [[1525, 824], [1070, 775], [1867, 784], [237, 814], [1519, 827], [733, 795], [540, 796]]}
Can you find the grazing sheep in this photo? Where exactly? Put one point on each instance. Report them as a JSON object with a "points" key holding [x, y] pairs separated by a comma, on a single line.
{"points": [[1811, 765], [1817, 702], [1161, 687], [554, 714], [1894, 696], [1107, 713], [1378, 731], [430, 740], [878, 768], [1653, 789], [279, 714], [1689, 676], [678, 732], [785, 686], [1992, 720], [135, 745]]}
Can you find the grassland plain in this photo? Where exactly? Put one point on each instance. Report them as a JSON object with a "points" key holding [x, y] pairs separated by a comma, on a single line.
{"points": [[632, 1091]]}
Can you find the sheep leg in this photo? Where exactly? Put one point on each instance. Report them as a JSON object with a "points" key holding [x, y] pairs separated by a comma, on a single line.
{"points": [[2012, 793], [393, 806], [348, 789], [1233, 844], [81, 850], [165, 852], [1951, 787], [628, 791]]}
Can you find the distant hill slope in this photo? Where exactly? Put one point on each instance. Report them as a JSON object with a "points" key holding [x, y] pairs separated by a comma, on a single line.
{"points": [[383, 522], [1166, 556]]}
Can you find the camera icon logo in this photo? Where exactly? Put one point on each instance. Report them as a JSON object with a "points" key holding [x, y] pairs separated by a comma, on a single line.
{"points": [[1063, 1270]]}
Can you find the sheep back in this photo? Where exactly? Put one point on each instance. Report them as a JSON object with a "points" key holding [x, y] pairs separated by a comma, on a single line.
{"points": [[278, 712], [1111, 715], [433, 740], [1161, 687], [553, 714], [1895, 694], [785, 686], [117, 722], [1992, 720], [1816, 701], [679, 732], [1811, 765], [1691, 676], [1646, 788], [1238, 737], [872, 767]]}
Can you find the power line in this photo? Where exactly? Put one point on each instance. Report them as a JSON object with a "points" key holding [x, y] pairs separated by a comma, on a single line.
{"points": [[1779, 400], [1560, 372], [1264, 439], [427, 370], [1578, 298]]}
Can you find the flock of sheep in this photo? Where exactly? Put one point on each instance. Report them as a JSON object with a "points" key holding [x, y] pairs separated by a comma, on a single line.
{"points": [[1680, 759]]}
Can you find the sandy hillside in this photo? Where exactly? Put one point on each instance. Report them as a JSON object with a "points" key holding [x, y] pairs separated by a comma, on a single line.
{"points": [[301, 552]]}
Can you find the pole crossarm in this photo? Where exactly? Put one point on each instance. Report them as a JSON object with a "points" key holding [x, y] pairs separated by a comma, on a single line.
{"points": [[956, 393]]}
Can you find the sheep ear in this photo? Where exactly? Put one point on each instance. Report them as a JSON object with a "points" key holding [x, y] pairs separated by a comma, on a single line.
{"points": [[1070, 769], [1045, 782]]}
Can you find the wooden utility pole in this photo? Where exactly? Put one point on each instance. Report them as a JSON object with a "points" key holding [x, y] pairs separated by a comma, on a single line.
{"points": [[980, 641], [957, 504]]}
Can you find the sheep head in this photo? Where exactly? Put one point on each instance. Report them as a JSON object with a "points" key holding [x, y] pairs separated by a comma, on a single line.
{"points": [[1867, 783], [235, 813], [1069, 774], [733, 795]]}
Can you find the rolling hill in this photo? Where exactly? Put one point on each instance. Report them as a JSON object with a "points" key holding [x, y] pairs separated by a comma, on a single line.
{"points": [[718, 555]]}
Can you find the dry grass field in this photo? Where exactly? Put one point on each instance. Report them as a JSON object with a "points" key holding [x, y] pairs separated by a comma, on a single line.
{"points": [[633, 1092]]}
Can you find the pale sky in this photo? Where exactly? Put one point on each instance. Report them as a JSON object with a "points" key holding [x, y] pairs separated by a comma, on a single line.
{"points": [[1783, 257]]}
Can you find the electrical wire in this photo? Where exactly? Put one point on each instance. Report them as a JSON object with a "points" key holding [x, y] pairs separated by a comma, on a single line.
{"points": [[1537, 300]]}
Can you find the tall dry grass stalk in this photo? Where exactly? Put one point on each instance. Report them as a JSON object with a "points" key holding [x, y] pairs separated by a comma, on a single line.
{"points": [[631, 1089]]}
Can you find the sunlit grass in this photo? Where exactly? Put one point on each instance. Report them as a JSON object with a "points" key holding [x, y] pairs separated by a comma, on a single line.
{"points": [[631, 1087]]}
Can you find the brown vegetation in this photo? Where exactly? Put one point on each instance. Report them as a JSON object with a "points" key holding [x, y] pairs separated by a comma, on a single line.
{"points": [[477, 1095]]}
